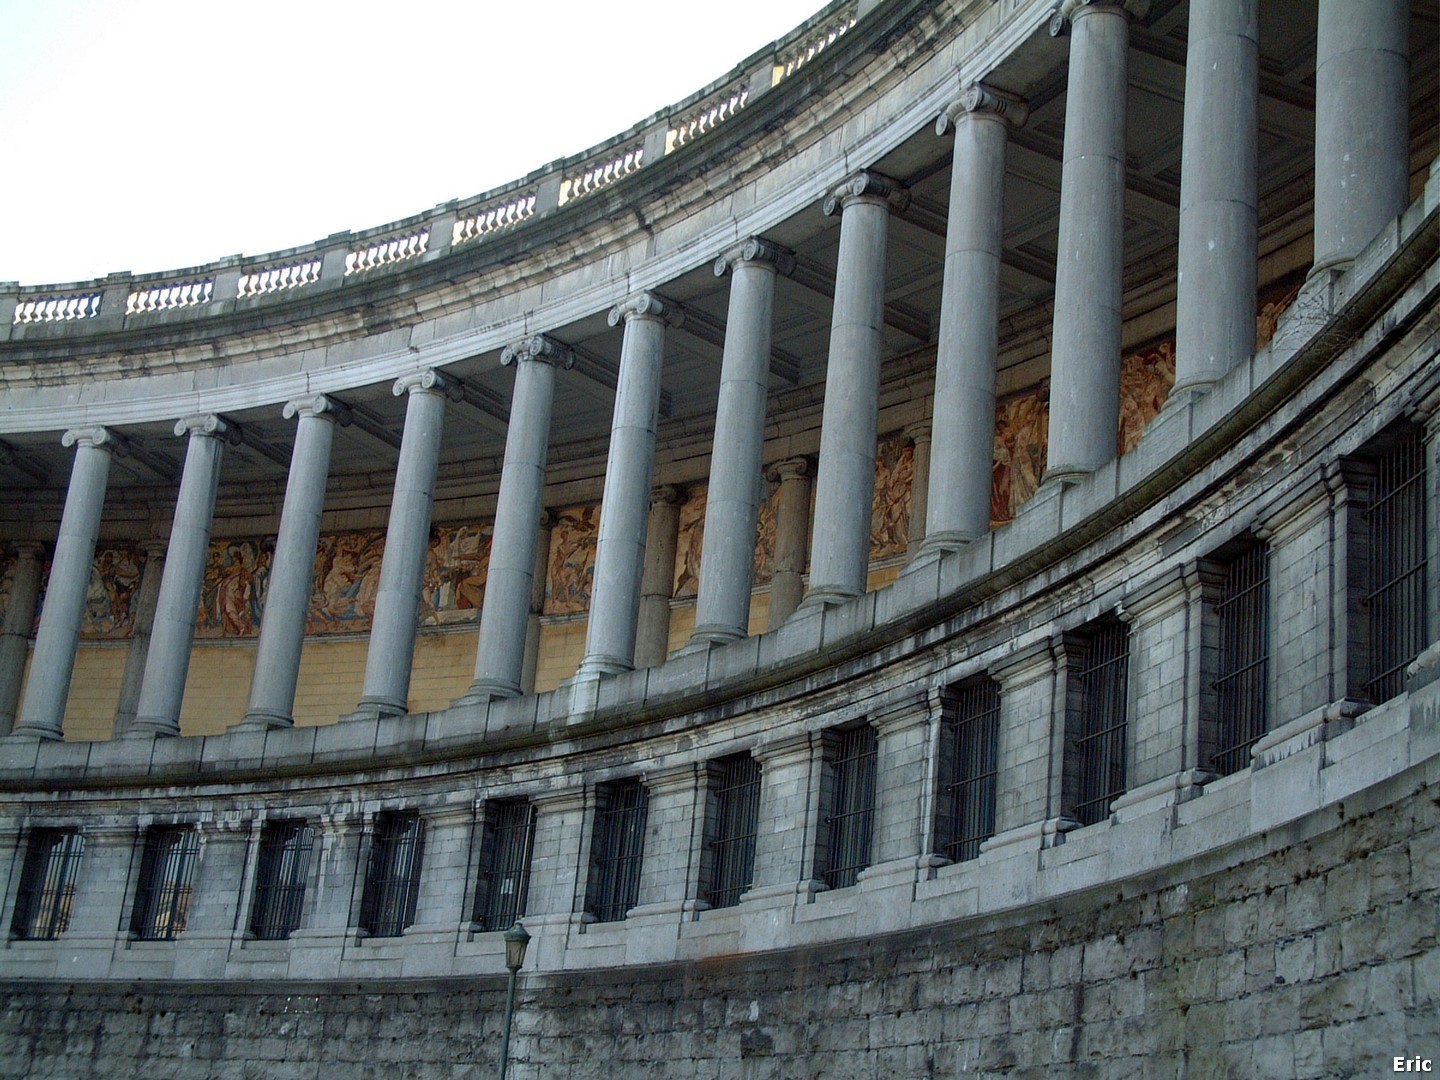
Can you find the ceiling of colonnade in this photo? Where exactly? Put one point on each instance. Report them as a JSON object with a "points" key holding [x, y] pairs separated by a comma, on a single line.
{"points": [[366, 451]]}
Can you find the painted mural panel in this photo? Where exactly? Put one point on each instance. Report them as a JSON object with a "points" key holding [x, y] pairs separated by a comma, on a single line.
{"points": [[111, 595], [1022, 424], [457, 566], [1146, 377], [572, 560], [890, 505], [690, 540]]}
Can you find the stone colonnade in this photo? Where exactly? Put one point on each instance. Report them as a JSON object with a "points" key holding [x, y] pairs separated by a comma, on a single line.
{"points": [[1361, 183]]}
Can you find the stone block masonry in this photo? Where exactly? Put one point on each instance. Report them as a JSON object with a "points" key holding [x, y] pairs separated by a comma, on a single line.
{"points": [[1310, 954]]}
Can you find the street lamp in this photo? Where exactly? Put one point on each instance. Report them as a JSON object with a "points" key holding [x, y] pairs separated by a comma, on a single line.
{"points": [[515, 941]]}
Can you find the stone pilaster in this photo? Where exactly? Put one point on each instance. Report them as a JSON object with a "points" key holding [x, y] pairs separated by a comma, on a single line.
{"points": [[906, 738], [510, 582], [43, 713], [788, 822], [19, 625], [292, 573], [792, 536], [397, 601], [845, 486], [620, 554], [147, 598], [668, 873], [537, 602], [959, 473], [657, 580], [920, 440], [163, 689], [727, 566], [1085, 350], [1362, 126], [1215, 306], [1027, 792]]}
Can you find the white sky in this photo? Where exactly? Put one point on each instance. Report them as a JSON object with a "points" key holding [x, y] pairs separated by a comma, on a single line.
{"points": [[148, 135]]}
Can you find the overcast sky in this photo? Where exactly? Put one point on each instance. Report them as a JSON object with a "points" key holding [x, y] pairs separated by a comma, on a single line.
{"points": [[148, 135]]}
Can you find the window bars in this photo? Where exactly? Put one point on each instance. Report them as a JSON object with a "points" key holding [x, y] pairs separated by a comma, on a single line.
{"points": [[280, 880], [392, 882], [504, 882], [852, 805], [1242, 677], [1395, 529], [1100, 729], [47, 884], [735, 788], [616, 849], [162, 898], [967, 800]]}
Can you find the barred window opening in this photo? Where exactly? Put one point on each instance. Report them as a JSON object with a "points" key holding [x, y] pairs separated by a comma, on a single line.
{"points": [[504, 882], [47, 884], [735, 789], [1100, 720], [967, 796], [617, 846], [1242, 675], [167, 866], [851, 818], [1395, 530], [280, 881], [392, 883]]}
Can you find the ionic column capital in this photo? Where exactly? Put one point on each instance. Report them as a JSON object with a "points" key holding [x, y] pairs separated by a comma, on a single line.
{"points": [[666, 494], [209, 425], [757, 249], [790, 469], [980, 100], [548, 518], [26, 550], [429, 381], [101, 438], [868, 187], [538, 347], [327, 408], [1070, 10], [645, 305], [917, 433]]}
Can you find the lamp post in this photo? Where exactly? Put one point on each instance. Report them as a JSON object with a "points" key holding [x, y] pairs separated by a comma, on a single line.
{"points": [[515, 941]]}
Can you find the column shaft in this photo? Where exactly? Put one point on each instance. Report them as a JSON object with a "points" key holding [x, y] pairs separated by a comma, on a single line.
{"points": [[510, 581], [53, 663], [620, 554], [19, 625], [162, 691], [845, 486], [1085, 350], [920, 441], [292, 574], [397, 600], [792, 533], [963, 432], [727, 563], [537, 603], [1362, 127], [657, 581], [1215, 306], [147, 597]]}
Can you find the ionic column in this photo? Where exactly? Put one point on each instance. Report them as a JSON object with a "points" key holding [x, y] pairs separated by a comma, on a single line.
{"points": [[620, 553], [537, 602], [147, 597], [19, 625], [510, 583], [397, 600], [292, 574], [53, 663], [968, 350], [845, 487], [792, 535], [1085, 350], [920, 441], [727, 563], [162, 691], [1362, 125], [657, 580], [1215, 306]]}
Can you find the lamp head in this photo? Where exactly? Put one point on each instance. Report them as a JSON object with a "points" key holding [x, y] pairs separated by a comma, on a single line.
{"points": [[516, 939]]}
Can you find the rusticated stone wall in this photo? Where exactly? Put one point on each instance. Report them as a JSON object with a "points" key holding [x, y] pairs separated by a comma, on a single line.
{"points": [[1307, 952]]}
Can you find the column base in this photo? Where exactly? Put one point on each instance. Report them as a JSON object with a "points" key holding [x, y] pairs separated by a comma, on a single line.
{"points": [[1061, 476], [1188, 391], [941, 543], [827, 596], [261, 720], [484, 691], [375, 710], [145, 727], [705, 637], [598, 664], [39, 734]]}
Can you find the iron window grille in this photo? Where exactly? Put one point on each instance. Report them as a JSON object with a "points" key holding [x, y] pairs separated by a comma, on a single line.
{"points": [[967, 798], [1395, 603], [280, 879], [47, 884], [616, 849], [392, 881], [735, 811], [507, 842], [167, 867], [1242, 676], [851, 817], [1100, 719]]}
